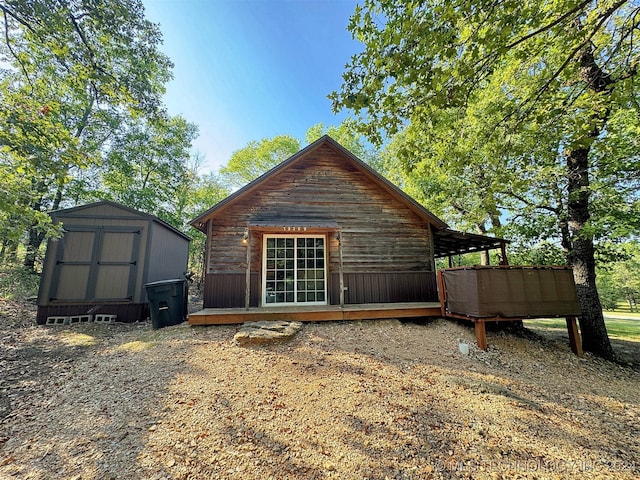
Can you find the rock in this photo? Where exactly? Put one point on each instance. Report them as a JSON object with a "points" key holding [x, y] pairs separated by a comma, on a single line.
{"points": [[258, 333]]}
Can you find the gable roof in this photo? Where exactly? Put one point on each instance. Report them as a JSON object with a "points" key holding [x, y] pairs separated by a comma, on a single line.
{"points": [[77, 212], [361, 166], [447, 242]]}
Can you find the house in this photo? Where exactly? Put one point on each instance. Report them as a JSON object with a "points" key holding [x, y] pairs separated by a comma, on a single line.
{"points": [[98, 269], [323, 229]]}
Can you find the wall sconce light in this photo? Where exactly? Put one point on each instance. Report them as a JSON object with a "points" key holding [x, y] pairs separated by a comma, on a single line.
{"points": [[245, 236]]}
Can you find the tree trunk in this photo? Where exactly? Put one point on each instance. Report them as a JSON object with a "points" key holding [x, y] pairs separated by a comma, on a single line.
{"points": [[36, 235], [582, 258], [9, 251], [581, 254]]}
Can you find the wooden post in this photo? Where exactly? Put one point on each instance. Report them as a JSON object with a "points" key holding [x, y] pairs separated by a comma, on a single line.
{"points": [[443, 294], [432, 248], [481, 334], [574, 336], [248, 273], [503, 249], [340, 271], [450, 262]]}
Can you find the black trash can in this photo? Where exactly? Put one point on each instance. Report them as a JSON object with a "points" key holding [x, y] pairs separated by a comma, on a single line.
{"points": [[167, 302]]}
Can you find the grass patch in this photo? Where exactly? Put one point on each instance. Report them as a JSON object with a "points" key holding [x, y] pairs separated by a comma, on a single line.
{"points": [[623, 307], [136, 346], [623, 329], [619, 313], [78, 339]]}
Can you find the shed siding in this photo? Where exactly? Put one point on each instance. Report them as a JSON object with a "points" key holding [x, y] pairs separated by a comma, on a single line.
{"points": [[100, 264], [168, 255]]}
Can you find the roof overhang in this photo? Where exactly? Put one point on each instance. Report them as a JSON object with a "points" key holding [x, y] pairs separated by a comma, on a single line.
{"points": [[449, 242], [288, 227]]}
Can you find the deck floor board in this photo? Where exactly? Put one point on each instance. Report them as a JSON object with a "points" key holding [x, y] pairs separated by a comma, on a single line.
{"points": [[315, 313]]}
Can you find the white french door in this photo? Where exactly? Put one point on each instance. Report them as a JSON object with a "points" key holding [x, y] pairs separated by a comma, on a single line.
{"points": [[294, 270]]}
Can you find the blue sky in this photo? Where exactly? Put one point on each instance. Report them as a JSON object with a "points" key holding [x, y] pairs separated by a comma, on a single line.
{"points": [[252, 69]]}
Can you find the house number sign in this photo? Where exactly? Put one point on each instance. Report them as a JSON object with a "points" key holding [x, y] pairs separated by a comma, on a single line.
{"points": [[294, 229]]}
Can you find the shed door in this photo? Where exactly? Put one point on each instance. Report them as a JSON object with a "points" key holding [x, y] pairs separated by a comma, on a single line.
{"points": [[115, 270], [294, 270], [73, 266], [96, 265]]}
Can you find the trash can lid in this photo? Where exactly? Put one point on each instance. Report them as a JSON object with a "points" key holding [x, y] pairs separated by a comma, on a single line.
{"points": [[164, 282]]}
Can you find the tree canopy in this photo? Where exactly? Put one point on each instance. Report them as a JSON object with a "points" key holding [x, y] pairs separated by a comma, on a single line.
{"points": [[521, 109], [80, 97], [258, 157]]}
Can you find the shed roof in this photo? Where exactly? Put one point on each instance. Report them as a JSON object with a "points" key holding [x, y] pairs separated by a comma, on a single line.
{"points": [[446, 241], [77, 212]]}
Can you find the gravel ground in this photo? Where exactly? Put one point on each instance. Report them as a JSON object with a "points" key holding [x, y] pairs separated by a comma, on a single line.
{"points": [[344, 400]]}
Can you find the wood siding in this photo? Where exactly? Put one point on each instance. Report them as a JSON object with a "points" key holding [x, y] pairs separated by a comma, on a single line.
{"points": [[380, 235], [385, 287], [227, 291]]}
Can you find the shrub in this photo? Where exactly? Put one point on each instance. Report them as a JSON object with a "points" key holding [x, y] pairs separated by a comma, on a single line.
{"points": [[17, 282]]}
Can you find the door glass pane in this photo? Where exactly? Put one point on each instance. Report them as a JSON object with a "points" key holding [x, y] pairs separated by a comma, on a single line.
{"points": [[294, 270], [279, 266]]}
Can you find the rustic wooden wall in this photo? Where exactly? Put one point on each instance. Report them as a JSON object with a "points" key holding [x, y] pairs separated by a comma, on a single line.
{"points": [[380, 235]]}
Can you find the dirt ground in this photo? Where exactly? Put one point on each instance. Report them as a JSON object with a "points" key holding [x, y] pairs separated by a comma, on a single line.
{"points": [[344, 400]]}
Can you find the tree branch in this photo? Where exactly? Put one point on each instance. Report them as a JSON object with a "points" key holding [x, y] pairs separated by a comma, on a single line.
{"points": [[487, 59], [557, 21], [13, 53], [529, 203]]}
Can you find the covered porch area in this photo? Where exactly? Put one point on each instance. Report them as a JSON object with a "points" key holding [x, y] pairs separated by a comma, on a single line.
{"points": [[446, 244], [509, 294]]}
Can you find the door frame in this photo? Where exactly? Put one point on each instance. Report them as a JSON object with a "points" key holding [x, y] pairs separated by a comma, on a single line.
{"points": [[294, 236]]}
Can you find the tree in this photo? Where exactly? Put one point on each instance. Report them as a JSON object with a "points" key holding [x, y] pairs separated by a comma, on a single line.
{"points": [[564, 71], [36, 144], [455, 176], [107, 44], [75, 71], [204, 192], [620, 280], [147, 166], [258, 157], [347, 135]]}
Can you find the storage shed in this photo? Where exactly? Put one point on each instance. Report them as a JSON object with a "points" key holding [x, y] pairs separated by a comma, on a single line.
{"points": [[98, 269], [323, 228]]}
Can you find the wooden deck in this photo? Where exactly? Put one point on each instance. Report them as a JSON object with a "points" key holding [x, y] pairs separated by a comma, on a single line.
{"points": [[315, 313]]}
